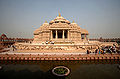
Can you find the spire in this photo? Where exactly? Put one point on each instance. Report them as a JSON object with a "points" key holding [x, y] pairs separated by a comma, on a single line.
{"points": [[73, 21], [46, 22], [59, 14]]}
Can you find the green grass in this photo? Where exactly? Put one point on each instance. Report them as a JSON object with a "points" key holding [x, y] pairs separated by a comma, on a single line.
{"points": [[61, 71]]}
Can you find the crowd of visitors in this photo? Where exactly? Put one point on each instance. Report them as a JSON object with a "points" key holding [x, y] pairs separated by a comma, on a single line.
{"points": [[12, 47], [105, 49]]}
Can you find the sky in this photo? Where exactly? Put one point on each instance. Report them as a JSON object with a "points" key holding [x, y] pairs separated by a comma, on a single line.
{"points": [[19, 18]]}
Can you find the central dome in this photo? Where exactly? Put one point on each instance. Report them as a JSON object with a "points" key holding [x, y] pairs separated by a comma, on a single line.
{"points": [[59, 19]]}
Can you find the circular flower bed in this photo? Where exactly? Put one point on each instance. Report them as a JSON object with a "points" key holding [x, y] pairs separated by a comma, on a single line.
{"points": [[61, 71]]}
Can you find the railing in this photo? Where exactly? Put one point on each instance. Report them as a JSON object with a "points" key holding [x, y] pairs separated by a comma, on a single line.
{"points": [[59, 57]]}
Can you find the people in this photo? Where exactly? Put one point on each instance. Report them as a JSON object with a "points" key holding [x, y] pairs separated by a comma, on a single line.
{"points": [[99, 51], [105, 49], [96, 51], [14, 48], [114, 48]]}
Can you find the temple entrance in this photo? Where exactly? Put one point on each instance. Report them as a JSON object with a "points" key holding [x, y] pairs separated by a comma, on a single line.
{"points": [[60, 32], [54, 33]]}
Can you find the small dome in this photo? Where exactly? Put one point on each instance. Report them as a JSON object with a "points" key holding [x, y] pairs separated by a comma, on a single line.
{"points": [[45, 24], [36, 32], [74, 23], [84, 31], [67, 21], [52, 21]]}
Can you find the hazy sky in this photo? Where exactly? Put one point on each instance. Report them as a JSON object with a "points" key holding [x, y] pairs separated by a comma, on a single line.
{"points": [[19, 18]]}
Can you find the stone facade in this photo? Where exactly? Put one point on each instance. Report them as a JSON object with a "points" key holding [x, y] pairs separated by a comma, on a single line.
{"points": [[60, 31], [60, 36]]}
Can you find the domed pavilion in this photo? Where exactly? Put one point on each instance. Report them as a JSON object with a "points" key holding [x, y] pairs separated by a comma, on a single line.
{"points": [[60, 35], [60, 31]]}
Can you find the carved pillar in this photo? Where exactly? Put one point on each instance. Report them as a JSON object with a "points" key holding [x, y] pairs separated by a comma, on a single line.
{"points": [[85, 36], [51, 34], [56, 34], [63, 35], [68, 34]]}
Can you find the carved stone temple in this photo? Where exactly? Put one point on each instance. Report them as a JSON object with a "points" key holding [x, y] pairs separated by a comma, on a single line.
{"points": [[60, 31], [60, 35]]}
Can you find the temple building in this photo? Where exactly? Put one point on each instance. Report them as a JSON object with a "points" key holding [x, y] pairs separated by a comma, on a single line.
{"points": [[60, 31], [60, 35]]}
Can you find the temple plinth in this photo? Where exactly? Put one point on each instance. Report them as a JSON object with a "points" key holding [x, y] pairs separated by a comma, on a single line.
{"points": [[61, 36]]}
